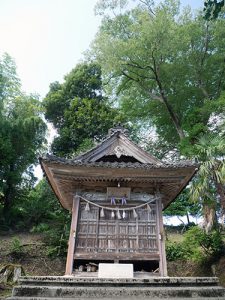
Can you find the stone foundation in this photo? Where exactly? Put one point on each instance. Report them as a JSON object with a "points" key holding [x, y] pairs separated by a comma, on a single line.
{"points": [[134, 288]]}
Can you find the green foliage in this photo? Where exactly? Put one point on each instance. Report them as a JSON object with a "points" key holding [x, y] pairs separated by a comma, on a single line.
{"points": [[56, 234], [197, 246], [163, 66], [40, 228], [22, 134], [208, 187], [39, 206], [79, 111], [211, 245], [57, 237], [42, 213], [182, 206], [175, 251], [212, 8], [16, 248]]}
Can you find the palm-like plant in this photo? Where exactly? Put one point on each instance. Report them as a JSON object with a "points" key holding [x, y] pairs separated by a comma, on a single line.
{"points": [[209, 185]]}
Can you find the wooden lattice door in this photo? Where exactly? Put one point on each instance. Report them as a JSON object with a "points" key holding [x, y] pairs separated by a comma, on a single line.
{"points": [[125, 238]]}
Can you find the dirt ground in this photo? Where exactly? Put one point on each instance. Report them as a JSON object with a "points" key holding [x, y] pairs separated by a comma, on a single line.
{"points": [[33, 258]]}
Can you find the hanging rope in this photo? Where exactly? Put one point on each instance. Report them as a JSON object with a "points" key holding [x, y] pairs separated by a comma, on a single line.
{"points": [[117, 209]]}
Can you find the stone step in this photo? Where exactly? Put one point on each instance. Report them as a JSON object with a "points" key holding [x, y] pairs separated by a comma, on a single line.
{"points": [[118, 292], [67, 288], [153, 281], [130, 298]]}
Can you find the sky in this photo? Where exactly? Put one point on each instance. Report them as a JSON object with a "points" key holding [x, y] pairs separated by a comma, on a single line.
{"points": [[47, 37]]}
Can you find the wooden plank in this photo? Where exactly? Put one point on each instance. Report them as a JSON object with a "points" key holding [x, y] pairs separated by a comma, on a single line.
{"points": [[162, 251], [73, 228], [143, 256]]}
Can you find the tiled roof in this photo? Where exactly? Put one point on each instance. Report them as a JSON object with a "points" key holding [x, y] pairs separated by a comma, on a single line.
{"points": [[136, 165]]}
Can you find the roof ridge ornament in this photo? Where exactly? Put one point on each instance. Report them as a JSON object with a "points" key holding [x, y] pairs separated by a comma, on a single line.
{"points": [[118, 128]]}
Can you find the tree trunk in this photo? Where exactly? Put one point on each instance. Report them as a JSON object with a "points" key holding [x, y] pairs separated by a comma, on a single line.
{"points": [[210, 218], [188, 219], [174, 117], [7, 200], [169, 108], [221, 192]]}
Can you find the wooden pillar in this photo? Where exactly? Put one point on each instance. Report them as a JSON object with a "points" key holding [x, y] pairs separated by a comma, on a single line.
{"points": [[162, 250], [73, 228]]}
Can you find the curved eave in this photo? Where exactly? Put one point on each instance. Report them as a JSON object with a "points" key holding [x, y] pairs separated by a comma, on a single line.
{"points": [[53, 183], [64, 177]]}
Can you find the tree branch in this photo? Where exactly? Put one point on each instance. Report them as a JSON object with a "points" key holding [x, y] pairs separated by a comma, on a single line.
{"points": [[138, 81], [202, 61], [172, 114], [221, 79], [136, 65], [148, 6]]}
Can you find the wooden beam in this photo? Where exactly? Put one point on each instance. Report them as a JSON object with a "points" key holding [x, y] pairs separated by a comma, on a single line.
{"points": [[108, 256], [73, 229], [162, 251]]}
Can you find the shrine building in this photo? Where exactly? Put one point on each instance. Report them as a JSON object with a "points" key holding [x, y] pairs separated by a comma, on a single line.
{"points": [[116, 193]]}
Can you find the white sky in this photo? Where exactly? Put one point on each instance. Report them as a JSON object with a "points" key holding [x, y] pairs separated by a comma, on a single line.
{"points": [[47, 37]]}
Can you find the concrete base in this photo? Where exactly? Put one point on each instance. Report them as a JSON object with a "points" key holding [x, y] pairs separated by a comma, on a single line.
{"points": [[115, 271]]}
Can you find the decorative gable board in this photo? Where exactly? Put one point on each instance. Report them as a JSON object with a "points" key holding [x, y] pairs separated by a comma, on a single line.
{"points": [[118, 144]]}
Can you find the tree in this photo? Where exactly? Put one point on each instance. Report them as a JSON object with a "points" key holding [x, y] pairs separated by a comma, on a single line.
{"points": [[167, 69], [39, 205], [78, 110], [183, 207], [42, 212], [22, 134], [212, 8], [209, 186], [163, 65]]}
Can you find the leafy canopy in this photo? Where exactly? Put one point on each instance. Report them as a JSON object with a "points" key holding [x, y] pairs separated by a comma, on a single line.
{"points": [[212, 8], [164, 66], [22, 134], [208, 188], [78, 110], [166, 69]]}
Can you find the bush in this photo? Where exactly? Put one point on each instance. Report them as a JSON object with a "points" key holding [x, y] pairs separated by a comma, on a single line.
{"points": [[57, 241], [42, 227], [175, 251], [197, 246], [210, 244], [16, 248]]}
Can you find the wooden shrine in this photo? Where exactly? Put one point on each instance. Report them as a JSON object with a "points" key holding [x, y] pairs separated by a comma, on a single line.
{"points": [[116, 193]]}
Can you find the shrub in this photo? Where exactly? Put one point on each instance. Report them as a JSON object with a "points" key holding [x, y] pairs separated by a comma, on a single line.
{"points": [[175, 251], [42, 227], [16, 248], [197, 246], [210, 244], [56, 236]]}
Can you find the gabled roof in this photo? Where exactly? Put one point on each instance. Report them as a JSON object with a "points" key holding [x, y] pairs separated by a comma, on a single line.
{"points": [[117, 144], [116, 159]]}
